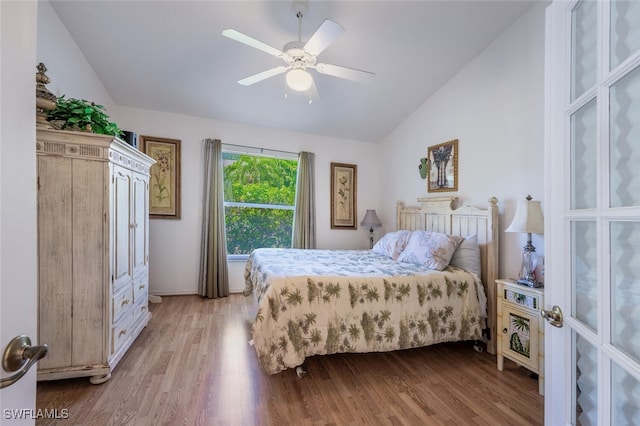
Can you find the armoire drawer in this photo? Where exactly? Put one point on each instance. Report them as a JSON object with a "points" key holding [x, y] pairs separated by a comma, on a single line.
{"points": [[122, 302], [140, 292], [122, 331]]}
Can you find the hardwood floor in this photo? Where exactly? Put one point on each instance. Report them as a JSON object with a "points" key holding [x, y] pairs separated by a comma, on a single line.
{"points": [[193, 365]]}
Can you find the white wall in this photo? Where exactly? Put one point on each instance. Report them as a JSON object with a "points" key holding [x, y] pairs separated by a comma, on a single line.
{"points": [[494, 107]]}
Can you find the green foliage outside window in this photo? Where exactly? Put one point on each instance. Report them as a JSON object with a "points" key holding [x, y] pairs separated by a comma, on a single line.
{"points": [[252, 180]]}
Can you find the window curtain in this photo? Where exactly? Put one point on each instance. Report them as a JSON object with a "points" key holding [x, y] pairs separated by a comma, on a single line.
{"points": [[214, 274], [304, 218]]}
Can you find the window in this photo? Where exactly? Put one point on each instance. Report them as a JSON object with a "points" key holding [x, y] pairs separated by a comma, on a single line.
{"points": [[259, 201]]}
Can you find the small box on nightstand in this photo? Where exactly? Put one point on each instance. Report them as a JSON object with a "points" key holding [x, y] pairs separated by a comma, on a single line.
{"points": [[520, 327]]}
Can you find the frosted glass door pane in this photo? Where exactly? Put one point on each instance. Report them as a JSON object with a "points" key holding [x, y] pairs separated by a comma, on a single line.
{"points": [[625, 30], [625, 137], [583, 47], [625, 394], [585, 401], [625, 287], [584, 290], [583, 157]]}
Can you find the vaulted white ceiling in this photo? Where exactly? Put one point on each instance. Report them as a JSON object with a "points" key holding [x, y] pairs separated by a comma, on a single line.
{"points": [[170, 56]]}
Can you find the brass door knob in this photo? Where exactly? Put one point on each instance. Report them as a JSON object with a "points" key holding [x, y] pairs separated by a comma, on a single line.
{"points": [[20, 356], [554, 316]]}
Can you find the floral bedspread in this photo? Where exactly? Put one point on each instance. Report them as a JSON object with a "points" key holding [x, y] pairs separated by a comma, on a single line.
{"points": [[313, 302]]}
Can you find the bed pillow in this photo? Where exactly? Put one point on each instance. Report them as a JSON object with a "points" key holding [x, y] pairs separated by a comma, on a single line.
{"points": [[467, 255], [432, 250], [392, 244]]}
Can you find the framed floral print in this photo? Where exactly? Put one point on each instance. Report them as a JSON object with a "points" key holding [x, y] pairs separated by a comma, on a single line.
{"points": [[164, 187], [343, 196]]}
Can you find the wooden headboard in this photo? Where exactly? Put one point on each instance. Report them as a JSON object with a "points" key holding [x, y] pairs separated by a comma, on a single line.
{"points": [[438, 215]]}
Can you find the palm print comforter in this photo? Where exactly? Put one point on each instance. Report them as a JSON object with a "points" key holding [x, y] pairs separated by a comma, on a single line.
{"points": [[313, 302]]}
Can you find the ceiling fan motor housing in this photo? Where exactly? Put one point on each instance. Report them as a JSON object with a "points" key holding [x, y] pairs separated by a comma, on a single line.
{"points": [[296, 57]]}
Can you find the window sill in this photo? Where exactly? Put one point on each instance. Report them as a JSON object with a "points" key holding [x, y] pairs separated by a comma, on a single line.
{"points": [[237, 257]]}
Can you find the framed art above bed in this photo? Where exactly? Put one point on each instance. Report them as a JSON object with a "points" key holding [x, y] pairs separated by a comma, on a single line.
{"points": [[315, 302], [442, 167]]}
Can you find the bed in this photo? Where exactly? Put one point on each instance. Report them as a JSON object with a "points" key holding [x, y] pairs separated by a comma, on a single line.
{"points": [[316, 302]]}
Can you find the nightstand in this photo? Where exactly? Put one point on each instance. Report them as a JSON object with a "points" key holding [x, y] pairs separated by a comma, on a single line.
{"points": [[520, 327]]}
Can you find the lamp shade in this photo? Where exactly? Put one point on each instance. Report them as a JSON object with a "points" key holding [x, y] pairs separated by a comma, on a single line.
{"points": [[528, 218], [371, 219], [299, 80]]}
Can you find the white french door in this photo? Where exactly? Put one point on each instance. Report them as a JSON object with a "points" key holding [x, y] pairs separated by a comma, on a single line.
{"points": [[592, 197]]}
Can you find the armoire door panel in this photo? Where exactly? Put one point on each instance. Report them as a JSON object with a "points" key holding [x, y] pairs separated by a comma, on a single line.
{"points": [[89, 253], [121, 223], [140, 219], [55, 266]]}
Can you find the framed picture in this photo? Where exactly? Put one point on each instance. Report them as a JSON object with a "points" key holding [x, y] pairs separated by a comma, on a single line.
{"points": [[442, 166], [343, 196], [164, 188]]}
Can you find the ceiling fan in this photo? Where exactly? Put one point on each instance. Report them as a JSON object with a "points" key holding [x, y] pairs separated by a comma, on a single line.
{"points": [[299, 56]]}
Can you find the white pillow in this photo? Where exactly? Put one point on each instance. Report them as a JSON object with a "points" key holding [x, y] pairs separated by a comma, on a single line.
{"points": [[467, 255], [432, 250], [392, 244]]}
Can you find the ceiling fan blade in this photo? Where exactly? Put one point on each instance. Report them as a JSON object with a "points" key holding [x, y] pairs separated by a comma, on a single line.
{"points": [[326, 34], [250, 41], [347, 73], [262, 76]]}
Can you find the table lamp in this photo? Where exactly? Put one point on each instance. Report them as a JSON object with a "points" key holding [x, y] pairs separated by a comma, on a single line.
{"points": [[371, 220], [528, 218]]}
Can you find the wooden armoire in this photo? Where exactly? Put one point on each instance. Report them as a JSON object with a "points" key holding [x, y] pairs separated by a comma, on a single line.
{"points": [[93, 251]]}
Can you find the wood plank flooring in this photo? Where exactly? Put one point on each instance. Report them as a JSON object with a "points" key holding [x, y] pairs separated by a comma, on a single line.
{"points": [[193, 365]]}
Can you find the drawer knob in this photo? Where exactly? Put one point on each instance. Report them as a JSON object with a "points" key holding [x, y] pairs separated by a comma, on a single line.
{"points": [[505, 331], [125, 302], [122, 332]]}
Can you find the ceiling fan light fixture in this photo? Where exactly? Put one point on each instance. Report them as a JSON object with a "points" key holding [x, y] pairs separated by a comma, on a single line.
{"points": [[299, 80]]}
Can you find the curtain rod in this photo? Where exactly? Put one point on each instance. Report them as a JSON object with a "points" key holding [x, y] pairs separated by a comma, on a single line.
{"points": [[260, 150]]}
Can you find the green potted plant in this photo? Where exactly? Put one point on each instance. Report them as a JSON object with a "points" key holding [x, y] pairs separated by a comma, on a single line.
{"points": [[82, 115]]}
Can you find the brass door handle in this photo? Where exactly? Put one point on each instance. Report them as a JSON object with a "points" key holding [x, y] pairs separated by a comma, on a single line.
{"points": [[554, 316], [20, 356]]}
